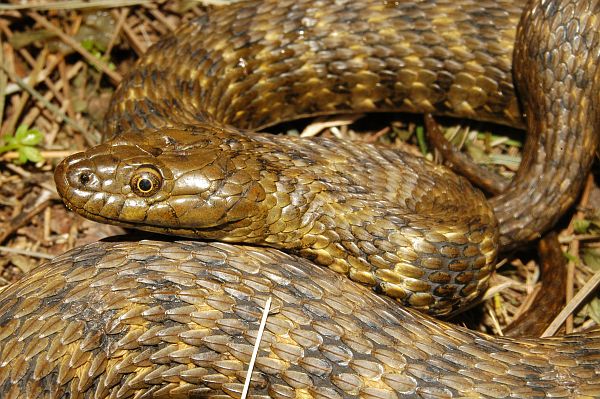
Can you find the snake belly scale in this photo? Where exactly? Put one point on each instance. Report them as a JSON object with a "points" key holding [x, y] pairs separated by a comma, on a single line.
{"points": [[178, 319]]}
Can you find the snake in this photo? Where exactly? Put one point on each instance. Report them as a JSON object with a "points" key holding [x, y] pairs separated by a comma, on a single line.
{"points": [[321, 227]]}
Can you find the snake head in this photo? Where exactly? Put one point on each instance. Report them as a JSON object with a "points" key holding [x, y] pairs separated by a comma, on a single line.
{"points": [[161, 185]]}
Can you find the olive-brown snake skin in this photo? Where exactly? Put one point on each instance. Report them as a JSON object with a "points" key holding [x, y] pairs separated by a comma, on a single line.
{"points": [[178, 319], [163, 319]]}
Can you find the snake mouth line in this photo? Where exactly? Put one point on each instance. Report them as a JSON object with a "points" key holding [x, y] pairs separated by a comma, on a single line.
{"points": [[144, 225], [103, 219]]}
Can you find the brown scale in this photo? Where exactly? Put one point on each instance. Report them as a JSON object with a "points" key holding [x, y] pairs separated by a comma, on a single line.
{"points": [[446, 57], [169, 318], [180, 319]]}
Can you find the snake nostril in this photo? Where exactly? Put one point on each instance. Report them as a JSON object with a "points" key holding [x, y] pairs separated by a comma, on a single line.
{"points": [[84, 178]]}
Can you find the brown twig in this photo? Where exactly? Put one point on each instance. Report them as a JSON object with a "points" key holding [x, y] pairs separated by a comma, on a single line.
{"points": [[26, 252], [47, 104], [3, 82], [136, 44], [22, 219], [574, 247], [12, 123], [50, 154], [95, 61], [72, 5]]}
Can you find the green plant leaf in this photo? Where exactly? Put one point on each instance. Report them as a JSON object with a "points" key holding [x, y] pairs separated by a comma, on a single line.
{"points": [[570, 258], [23, 141], [8, 141], [581, 226], [421, 140], [30, 154], [593, 308], [31, 138], [591, 257], [88, 44]]}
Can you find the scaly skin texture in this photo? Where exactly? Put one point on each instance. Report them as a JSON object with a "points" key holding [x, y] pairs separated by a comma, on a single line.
{"points": [[173, 163], [364, 218], [258, 63], [180, 319], [556, 67], [344, 206]]}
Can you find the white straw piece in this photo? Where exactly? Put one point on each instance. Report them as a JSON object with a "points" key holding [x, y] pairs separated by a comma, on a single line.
{"points": [[261, 329]]}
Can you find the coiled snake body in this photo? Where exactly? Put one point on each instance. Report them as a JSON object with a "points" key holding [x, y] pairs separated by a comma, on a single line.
{"points": [[178, 319]]}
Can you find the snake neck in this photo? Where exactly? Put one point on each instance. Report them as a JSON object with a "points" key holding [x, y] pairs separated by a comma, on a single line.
{"points": [[423, 236], [344, 208]]}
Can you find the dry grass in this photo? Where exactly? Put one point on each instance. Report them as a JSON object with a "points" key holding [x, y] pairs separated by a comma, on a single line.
{"points": [[60, 62]]}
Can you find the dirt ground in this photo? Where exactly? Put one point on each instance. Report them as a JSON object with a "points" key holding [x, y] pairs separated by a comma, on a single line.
{"points": [[59, 64]]}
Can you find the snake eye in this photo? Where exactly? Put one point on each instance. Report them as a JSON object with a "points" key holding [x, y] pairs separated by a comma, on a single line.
{"points": [[146, 181]]}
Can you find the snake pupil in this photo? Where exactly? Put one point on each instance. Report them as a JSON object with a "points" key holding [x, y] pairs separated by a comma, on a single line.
{"points": [[145, 185], [146, 181]]}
